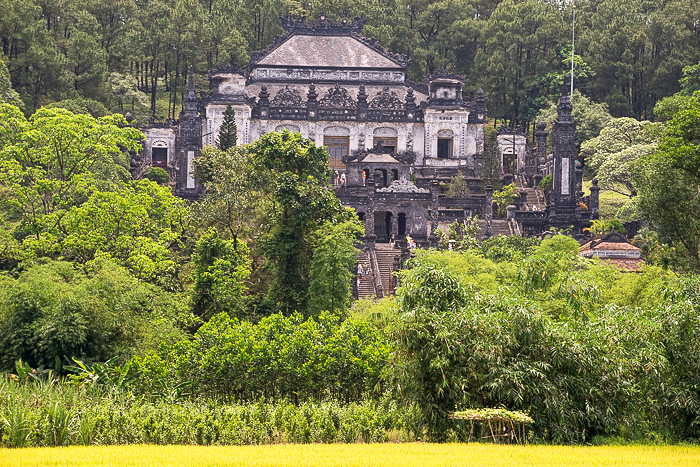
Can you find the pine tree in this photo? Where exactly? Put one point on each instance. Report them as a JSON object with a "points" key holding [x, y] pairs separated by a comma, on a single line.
{"points": [[228, 131]]}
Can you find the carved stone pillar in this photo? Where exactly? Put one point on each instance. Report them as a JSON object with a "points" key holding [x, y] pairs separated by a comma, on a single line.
{"points": [[434, 210], [594, 200], [489, 210]]}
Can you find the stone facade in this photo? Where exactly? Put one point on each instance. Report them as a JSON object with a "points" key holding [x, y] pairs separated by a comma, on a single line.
{"points": [[393, 144]]}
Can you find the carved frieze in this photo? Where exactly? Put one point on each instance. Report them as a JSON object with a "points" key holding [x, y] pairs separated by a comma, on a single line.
{"points": [[338, 98], [386, 99], [288, 98]]}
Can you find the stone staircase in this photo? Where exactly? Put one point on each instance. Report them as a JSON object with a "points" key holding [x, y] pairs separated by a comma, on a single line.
{"points": [[385, 261], [498, 227], [366, 283], [534, 200], [385, 258]]}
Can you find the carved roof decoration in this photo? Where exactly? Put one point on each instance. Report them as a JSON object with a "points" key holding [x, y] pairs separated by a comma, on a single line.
{"points": [[229, 68], [288, 98], [403, 186], [338, 98], [322, 26], [447, 75], [341, 44], [386, 99]]}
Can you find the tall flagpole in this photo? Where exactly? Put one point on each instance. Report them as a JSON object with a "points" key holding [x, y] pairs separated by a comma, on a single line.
{"points": [[573, 36]]}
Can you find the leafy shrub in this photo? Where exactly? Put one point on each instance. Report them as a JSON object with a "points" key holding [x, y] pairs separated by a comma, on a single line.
{"points": [[158, 175], [54, 311], [278, 357]]}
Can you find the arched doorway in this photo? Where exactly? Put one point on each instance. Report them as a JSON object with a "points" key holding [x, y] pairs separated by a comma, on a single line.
{"points": [[159, 154]]}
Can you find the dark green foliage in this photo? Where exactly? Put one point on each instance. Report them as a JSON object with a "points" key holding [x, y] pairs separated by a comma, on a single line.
{"points": [[228, 133], [54, 311], [278, 357], [293, 174], [334, 256], [492, 169], [546, 183], [158, 175], [221, 269]]}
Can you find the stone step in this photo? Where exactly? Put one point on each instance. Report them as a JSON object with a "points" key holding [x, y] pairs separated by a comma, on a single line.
{"points": [[365, 283]]}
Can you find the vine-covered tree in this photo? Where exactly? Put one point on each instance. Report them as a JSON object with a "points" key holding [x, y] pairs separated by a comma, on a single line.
{"points": [[228, 133], [292, 173]]}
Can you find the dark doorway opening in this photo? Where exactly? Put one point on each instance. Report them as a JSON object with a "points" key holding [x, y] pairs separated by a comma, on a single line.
{"points": [[402, 224]]}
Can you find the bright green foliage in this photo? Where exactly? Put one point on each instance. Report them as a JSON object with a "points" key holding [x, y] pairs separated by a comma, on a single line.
{"points": [[546, 183], [81, 105], [334, 256], [493, 414], [691, 79], [228, 133], [278, 357], [600, 227], [505, 197], [615, 153], [462, 235], [292, 173], [89, 416], [668, 184], [66, 184], [508, 247], [581, 347], [230, 204], [221, 270], [158, 175], [54, 312]]}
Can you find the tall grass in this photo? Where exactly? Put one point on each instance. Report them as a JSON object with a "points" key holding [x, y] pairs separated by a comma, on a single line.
{"points": [[41, 414]]}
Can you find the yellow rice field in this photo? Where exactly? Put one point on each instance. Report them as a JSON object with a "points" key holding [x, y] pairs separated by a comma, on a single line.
{"points": [[346, 455]]}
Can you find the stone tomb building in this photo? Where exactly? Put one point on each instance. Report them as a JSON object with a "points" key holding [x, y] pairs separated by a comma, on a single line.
{"points": [[347, 93], [394, 145]]}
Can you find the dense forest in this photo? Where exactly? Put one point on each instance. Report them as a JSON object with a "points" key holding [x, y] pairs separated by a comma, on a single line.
{"points": [[133, 55]]}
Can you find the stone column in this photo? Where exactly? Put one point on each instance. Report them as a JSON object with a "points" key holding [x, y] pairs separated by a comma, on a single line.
{"points": [[489, 210], [594, 200], [434, 210]]}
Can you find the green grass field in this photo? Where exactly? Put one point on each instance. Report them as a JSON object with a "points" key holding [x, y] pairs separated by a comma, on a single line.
{"points": [[346, 455]]}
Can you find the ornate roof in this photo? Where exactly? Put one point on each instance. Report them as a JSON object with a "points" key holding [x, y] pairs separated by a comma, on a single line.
{"points": [[325, 43]]}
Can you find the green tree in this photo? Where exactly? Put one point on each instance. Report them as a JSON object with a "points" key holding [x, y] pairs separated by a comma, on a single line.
{"points": [[333, 258], [228, 133], [616, 153], [55, 311], [292, 173], [7, 94], [221, 270], [669, 185], [520, 46]]}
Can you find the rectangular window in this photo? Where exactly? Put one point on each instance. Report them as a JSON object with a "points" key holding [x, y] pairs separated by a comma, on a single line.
{"points": [[444, 149], [385, 144], [159, 157], [337, 146]]}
